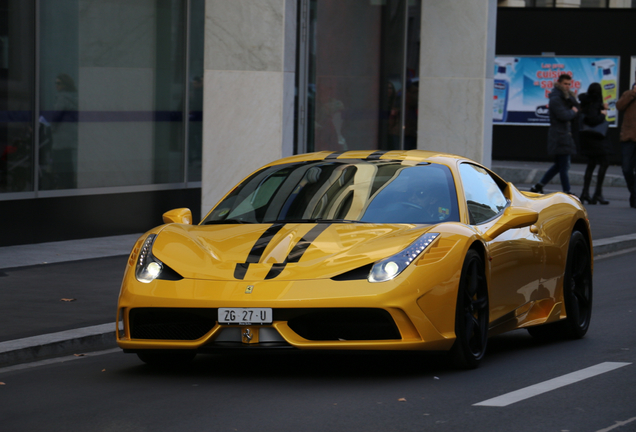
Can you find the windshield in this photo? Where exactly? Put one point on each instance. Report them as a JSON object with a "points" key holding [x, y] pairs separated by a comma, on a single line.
{"points": [[342, 191]]}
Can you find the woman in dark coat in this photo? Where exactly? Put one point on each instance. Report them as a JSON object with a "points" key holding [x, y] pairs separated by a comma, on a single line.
{"points": [[595, 147]]}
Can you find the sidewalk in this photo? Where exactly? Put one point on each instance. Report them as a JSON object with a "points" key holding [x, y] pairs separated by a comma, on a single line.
{"points": [[60, 298]]}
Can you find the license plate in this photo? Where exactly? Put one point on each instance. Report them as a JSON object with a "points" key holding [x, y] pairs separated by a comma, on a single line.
{"points": [[245, 316]]}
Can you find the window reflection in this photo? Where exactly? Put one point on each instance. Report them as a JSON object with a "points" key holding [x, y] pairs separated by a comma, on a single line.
{"points": [[365, 191], [483, 196], [59, 170], [111, 93], [363, 63], [17, 134]]}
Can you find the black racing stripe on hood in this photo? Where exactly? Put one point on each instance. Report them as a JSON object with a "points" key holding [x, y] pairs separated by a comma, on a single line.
{"points": [[257, 250], [240, 270], [298, 250], [376, 155], [334, 155], [259, 247]]}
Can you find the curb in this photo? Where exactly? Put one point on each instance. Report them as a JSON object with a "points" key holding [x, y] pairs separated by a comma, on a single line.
{"points": [[614, 244], [102, 337], [76, 341]]}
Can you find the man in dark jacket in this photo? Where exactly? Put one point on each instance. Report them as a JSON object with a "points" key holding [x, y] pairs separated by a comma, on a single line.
{"points": [[627, 106], [563, 109]]}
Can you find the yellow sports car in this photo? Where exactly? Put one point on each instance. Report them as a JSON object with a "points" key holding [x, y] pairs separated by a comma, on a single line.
{"points": [[360, 250]]}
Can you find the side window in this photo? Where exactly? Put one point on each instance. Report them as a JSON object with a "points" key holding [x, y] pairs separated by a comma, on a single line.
{"points": [[483, 196]]}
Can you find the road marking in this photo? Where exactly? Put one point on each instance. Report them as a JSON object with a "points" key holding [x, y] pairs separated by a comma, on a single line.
{"points": [[618, 424], [546, 386]]}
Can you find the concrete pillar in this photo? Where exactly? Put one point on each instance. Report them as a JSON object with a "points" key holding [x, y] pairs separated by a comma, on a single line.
{"points": [[248, 103], [456, 77]]}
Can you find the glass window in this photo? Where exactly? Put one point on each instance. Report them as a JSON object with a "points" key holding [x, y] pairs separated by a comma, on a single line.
{"points": [[17, 89], [362, 69], [112, 89], [195, 65], [364, 191], [105, 98], [483, 196]]}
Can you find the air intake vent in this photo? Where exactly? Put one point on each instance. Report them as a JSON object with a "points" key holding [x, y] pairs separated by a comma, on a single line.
{"points": [[341, 324], [171, 323]]}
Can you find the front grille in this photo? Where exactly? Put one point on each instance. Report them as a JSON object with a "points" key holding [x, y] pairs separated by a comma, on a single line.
{"points": [[340, 323], [324, 324], [171, 323]]}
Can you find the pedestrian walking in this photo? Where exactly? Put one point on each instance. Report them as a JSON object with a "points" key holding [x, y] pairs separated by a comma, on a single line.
{"points": [[594, 144], [563, 109], [627, 106]]}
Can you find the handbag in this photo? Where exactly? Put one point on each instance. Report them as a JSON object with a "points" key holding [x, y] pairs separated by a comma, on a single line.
{"points": [[597, 131]]}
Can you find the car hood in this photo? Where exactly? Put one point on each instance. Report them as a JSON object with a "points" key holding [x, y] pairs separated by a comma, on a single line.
{"points": [[281, 251]]}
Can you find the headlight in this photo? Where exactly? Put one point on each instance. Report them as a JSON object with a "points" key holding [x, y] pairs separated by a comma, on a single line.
{"points": [[148, 267], [392, 266]]}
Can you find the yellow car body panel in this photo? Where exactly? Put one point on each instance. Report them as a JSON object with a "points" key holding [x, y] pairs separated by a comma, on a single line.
{"points": [[524, 268]]}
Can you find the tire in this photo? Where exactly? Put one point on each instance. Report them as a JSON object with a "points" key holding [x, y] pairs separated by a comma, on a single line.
{"points": [[471, 314], [577, 288], [166, 357], [577, 295]]}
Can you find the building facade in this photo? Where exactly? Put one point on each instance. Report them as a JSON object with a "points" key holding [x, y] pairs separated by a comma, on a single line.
{"points": [[286, 76], [116, 111]]}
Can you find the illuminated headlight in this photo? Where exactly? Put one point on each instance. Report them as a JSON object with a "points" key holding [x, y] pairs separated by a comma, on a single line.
{"points": [[148, 267], [392, 266]]}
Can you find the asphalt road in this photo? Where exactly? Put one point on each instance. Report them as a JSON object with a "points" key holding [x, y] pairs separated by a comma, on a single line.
{"points": [[300, 391], [30, 298]]}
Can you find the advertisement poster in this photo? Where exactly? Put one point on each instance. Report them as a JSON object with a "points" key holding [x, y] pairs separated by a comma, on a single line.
{"points": [[523, 83]]}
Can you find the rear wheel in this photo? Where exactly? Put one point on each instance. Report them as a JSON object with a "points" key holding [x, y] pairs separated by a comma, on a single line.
{"points": [[577, 287], [166, 357], [577, 294], [471, 315]]}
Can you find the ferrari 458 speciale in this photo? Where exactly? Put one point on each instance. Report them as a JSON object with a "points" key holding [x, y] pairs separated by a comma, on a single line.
{"points": [[360, 250]]}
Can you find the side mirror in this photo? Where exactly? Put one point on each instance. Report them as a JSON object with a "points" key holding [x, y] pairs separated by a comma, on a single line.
{"points": [[513, 217], [181, 216]]}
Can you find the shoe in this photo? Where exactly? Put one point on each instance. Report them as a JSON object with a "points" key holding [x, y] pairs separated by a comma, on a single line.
{"points": [[632, 200], [538, 188], [586, 197], [599, 198]]}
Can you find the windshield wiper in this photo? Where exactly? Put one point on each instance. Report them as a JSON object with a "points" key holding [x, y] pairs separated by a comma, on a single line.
{"points": [[227, 221]]}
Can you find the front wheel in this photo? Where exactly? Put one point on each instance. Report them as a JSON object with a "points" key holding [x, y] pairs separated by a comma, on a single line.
{"points": [[471, 315]]}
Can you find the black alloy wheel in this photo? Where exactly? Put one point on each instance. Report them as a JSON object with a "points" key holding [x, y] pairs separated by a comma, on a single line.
{"points": [[471, 315], [577, 294], [577, 287]]}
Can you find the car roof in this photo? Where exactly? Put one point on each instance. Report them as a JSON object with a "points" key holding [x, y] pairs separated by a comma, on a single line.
{"points": [[411, 155]]}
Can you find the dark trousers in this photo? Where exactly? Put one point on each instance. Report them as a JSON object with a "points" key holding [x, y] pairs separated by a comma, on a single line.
{"points": [[561, 167], [629, 163], [603, 164]]}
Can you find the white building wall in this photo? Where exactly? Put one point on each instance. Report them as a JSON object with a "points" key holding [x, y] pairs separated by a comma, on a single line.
{"points": [[456, 77], [248, 90]]}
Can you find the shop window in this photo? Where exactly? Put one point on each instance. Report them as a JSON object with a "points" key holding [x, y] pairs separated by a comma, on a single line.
{"points": [[111, 92], [17, 134], [358, 74]]}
